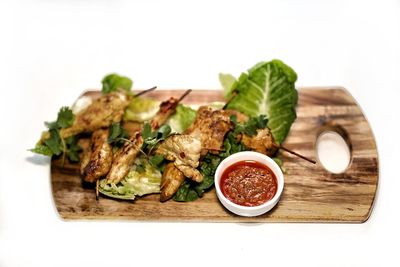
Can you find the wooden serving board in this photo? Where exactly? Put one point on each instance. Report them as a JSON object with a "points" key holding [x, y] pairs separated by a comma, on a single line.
{"points": [[311, 193]]}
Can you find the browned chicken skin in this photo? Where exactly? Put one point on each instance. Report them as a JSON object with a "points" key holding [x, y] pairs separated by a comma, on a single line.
{"points": [[124, 159], [240, 117], [167, 108], [184, 150], [86, 145], [210, 126], [100, 158], [101, 113], [171, 180], [262, 142]]}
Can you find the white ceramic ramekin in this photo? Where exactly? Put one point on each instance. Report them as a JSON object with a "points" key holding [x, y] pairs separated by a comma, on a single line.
{"points": [[244, 210]]}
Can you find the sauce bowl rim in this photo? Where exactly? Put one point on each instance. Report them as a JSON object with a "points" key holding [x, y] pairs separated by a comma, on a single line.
{"points": [[251, 156]]}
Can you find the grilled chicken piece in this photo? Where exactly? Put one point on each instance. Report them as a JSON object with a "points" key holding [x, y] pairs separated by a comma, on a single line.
{"points": [[167, 108], [171, 180], [184, 150], [101, 157], [124, 159], [240, 117], [132, 127], [101, 113], [262, 142], [210, 126], [86, 145]]}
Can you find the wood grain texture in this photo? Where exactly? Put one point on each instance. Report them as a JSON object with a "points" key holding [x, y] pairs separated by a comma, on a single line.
{"points": [[311, 193]]}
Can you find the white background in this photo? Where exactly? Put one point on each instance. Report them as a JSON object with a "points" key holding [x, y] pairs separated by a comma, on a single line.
{"points": [[51, 50]]}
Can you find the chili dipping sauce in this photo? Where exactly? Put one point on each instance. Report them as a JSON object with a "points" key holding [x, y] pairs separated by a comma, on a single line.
{"points": [[248, 183]]}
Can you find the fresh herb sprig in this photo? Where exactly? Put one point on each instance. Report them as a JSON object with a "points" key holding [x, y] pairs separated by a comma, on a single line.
{"points": [[251, 126], [152, 138], [54, 145], [117, 135], [189, 190]]}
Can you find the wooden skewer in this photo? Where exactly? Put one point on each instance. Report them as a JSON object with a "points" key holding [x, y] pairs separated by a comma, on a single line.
{"points": [[97, 190], [234, 93], [295, 153], [145, 91], [184, 95]]}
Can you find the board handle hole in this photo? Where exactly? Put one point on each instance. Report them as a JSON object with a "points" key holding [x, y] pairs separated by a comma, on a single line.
{"points": [[333, 148]]}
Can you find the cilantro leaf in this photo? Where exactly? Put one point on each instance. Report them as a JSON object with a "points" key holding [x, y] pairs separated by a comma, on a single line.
{"points": [[117, 134], [163, 132], [51, 125], [65, 117], [251, 126], [152, 138], [146, 132], [73, 148], [54, 143], [42, 149], [113, 82]]}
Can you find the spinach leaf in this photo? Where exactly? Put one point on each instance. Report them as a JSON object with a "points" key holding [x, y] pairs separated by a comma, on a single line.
{"points": [[113, 82], [156, 160], [185, 193]]}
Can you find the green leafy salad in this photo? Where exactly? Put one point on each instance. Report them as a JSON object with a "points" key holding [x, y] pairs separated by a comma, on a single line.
{"points": [[136, 145]]}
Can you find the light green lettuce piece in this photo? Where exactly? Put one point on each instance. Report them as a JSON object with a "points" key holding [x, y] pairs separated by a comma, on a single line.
{"points": [[136, 183], [182, 118], [228, 82], [141, 109], [268, 88]]}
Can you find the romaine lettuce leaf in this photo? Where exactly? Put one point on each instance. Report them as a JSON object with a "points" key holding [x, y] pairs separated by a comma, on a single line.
{"points": [[228, 81], [182, 119], [268, 88]]}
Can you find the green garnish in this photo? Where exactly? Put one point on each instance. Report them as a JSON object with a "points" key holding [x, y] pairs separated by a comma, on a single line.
{"points": [[113, 82], [55, 145], [267, 88], [116, 134], [152, 138]]}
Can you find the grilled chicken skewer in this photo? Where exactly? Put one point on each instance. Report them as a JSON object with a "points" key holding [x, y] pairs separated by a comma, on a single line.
{"points": [[263, 142], [171, 180], [101, 113], [98, 161], [126, 155], [97, 156], [124, 158], [167, 108]]}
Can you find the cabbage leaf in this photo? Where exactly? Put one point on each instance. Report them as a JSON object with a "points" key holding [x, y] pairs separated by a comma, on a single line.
{"points": [[142, 179]]}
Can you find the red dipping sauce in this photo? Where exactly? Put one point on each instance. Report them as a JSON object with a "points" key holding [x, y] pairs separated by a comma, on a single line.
{"points": [[248, 183]]}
